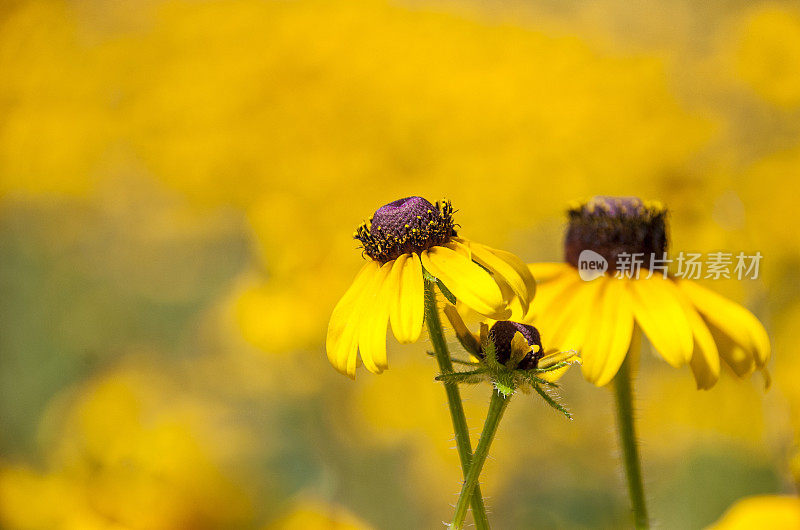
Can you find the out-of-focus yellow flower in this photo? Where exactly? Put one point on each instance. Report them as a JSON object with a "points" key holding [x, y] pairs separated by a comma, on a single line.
{"points": [[769, 52], [310, 515], [770, 208], [685, 323], [32, 501], [56, 107], [776, 512], [401, 238], [260, 311], [132, 451]]}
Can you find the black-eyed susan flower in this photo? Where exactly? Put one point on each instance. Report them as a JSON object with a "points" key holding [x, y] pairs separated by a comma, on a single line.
{"points": [[510, 355], [403, 241], [596, 314]]}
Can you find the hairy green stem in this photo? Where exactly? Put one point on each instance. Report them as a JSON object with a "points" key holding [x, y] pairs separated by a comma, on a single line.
{"points": [[623, 392], [497, 406], [434, 324]]}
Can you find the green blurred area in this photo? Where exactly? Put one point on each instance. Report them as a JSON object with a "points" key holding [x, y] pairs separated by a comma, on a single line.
{"points": [[179, 182]]}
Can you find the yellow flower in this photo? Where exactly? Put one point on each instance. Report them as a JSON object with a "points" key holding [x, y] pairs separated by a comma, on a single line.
{"points": [[776, 512], [684, 322], [401, 238], [768, 53], [513, 342]]}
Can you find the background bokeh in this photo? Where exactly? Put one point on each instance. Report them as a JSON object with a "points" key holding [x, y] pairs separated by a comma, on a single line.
{"points": [[179, 183]]}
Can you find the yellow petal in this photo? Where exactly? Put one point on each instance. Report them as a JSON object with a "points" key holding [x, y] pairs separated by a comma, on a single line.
{"points": [[730, 318], [609, 337], [408, 309], [545, 272], [342, 339], [465, 337], [776, 512], [509, 268], [519, 348], [705, 356], [569, 317], [466, 280], [461, 245], [657, 308], [372, 330], [551, 292], [740, 360], [520, 268]]}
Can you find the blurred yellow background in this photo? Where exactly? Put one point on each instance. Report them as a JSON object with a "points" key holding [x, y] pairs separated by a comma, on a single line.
{"points": [[179, 183]]}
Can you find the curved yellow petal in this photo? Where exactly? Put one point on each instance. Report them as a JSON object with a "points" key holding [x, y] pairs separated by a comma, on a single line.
{"points": [[466, 280], [342, 340], [545, 272], [556, 357], [551, 291], [730, 318], [609, 336], [520, 268], [509, 268], [372, 330], [407, 310], [776, 512], [740, 360], [461, 245], [705, 356], [463, 334], [657, 308], [569, 318]]}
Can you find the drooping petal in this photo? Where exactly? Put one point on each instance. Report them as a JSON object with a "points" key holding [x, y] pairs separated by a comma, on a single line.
{"points": [[705, 355], [740, 360], [407, 310], [466, 280], [509, 268], [609, 337], [372, 330], [464, 335], [520, 267], [730, 318], [342, 339], [657, 308]]}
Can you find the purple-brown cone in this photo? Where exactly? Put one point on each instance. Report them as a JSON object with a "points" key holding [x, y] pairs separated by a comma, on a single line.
{"points": [[406, 225], [611, 226], [502, 333]]}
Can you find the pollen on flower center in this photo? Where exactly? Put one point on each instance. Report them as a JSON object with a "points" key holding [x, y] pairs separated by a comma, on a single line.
{"points": [[406, 225], [502, 333], [611, 226]]}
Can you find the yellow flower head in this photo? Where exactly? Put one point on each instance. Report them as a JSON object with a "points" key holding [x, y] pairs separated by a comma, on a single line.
{"points": [[684, 322], [511, 356], [512, 341], [401, 238]]}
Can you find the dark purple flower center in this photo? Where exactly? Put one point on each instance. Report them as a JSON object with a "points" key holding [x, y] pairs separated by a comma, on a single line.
{"points": [[612, 226], [397, 219], [502, 333], [406, 225]]}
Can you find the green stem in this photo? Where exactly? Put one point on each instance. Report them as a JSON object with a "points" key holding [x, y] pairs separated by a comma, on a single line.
{"points": [[623, 391], [453, 400], [497, 406]]}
